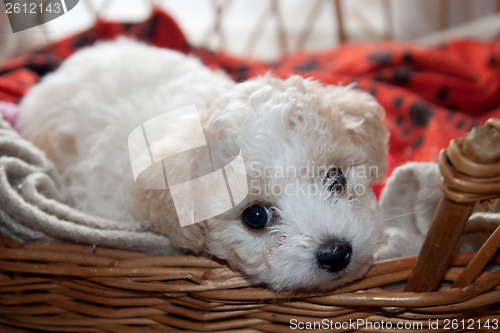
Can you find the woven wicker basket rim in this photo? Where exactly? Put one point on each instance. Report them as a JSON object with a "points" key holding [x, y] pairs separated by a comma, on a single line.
{"points": [[211, 279]]}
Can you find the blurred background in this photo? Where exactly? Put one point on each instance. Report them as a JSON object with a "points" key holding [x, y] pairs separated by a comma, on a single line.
{"points": [[267, 29]]}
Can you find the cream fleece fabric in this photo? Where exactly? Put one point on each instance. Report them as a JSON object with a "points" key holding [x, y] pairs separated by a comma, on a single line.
{"points": [[32, 204]]}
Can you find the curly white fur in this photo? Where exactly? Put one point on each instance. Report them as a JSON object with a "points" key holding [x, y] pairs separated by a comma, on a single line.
{"points": [[82, 114]]}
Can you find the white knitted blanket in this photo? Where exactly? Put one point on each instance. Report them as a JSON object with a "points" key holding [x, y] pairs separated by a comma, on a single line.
{"points": [[32, 204]]}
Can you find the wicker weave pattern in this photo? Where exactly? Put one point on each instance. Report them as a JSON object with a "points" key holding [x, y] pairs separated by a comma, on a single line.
{"points": [[470, 172], [465, 180], [64, 287]]}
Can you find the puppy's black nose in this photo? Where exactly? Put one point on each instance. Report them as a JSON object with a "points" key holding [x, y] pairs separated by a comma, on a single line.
{"points": [[334, 255]]}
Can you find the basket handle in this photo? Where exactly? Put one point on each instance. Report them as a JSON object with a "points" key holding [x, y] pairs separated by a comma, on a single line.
{"points": [[470, 169]]}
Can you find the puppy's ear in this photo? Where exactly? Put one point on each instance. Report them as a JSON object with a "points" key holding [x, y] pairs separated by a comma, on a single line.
{"points": [[176, 162], [157, 211], [360, 120]]}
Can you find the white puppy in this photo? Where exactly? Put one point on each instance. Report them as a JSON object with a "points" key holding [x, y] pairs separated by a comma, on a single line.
{"points": [[310, 219]]}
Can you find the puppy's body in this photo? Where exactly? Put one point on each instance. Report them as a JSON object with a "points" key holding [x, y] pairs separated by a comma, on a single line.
{"points": [[292, 133], [82, 115]]}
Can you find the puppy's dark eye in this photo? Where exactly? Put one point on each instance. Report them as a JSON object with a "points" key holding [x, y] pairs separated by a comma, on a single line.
{"points": [[256, 216], [335, 180]]}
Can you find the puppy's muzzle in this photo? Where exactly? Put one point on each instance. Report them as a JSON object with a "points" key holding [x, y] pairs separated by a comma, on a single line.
{"points": [[334, 255]]}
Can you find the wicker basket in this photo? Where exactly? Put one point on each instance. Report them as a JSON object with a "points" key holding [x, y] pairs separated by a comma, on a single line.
{"points": [[72, 288]]}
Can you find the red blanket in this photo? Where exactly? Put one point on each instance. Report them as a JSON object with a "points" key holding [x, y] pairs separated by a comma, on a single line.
{"points": [[431, 95]]}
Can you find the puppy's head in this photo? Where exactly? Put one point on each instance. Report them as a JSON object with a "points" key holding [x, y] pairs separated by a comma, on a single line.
{"points": [[310, 152]]}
